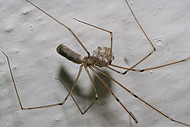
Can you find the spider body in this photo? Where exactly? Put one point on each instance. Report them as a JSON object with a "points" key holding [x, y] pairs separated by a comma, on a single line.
{"points": [[100, 57]]}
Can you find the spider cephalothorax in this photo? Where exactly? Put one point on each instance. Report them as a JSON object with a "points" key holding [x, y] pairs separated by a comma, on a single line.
{"points": [[100, 57], [103, 54]]}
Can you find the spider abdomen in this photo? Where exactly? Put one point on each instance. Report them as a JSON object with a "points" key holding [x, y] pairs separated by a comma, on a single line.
{"points": [[69, 54]]}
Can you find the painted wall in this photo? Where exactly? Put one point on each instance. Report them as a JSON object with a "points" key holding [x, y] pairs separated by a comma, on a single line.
{"points": [[30, 39]]}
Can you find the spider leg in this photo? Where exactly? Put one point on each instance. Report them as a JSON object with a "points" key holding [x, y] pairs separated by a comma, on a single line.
{"points": [[17, 93], [96, 94], [81, 66], [134, 95], [111, 34], [146, 69], [154, 49], [60, 24], [116, 98]]}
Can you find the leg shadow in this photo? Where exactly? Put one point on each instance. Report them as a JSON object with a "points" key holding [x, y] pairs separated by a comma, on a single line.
{"points": [[101, 106]]}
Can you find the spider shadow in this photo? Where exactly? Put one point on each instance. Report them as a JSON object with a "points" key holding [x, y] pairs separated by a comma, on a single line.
{"points": [[101, 105]]}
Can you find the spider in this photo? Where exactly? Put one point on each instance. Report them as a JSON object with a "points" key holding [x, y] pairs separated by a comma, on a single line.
{"points": [[101, 57]]}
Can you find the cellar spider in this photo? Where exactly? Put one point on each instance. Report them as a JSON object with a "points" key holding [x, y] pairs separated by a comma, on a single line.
{"points": [[102, 57]]}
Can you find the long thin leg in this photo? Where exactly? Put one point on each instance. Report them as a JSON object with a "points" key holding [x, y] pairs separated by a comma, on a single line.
{"points": [[15, 87], [154, 49], [140, 25], [116, 98], [111, 34], [96, 94], [152, 68], [133, 94], [80, 69], [139, 62], [126, 68], [71, 96], [81, 66], [60, 24], [122, 73], [95, 91]]}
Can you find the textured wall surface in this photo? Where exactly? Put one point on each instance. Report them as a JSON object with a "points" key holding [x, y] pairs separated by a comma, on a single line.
{"points": [[30, 39]]}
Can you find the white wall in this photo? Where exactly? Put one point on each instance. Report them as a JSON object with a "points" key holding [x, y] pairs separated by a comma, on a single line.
{"points": [[30, 38]]}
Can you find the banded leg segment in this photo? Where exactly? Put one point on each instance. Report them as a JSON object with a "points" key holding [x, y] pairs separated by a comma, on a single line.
{"points": [[116, 98], [139, 62], [96, 94], [146, 69], [165, 65], [134, 95], [154, 49]]}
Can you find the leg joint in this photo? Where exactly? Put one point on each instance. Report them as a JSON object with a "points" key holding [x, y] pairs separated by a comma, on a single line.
{"points": [[135, 95], [60, 103], [96, 96], [117, 99], [142, 70]]}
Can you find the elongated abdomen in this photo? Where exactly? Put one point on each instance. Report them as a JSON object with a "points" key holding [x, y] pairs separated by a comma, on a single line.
{"points": [[69, 54]]}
